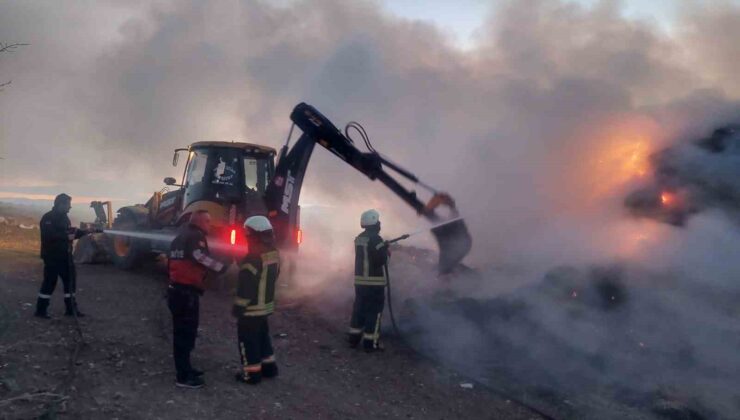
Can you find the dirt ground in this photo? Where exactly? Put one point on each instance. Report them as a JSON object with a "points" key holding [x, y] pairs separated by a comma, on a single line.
{"points": [[124, 368]]}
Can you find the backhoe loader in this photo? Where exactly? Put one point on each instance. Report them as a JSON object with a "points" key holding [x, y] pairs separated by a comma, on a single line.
{"points": [[234, 181]]}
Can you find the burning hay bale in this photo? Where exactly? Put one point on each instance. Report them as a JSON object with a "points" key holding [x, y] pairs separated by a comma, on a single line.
{"points": [[692, 177], [609, 286], [604, 338], [563, 283], [602, 287]]}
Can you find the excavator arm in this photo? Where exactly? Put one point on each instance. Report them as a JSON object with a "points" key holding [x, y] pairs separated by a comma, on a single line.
{"points": [[282, 195]]}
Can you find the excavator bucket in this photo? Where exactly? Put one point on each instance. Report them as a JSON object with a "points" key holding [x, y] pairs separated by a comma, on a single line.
{"points": [[454, 243], [452, 236]]}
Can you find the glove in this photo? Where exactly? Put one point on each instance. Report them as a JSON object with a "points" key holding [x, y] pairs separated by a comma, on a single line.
{"points": [[237, 311], [224, 268]]}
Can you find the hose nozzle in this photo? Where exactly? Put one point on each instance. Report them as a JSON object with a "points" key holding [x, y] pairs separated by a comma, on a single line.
{"points": [[400, 238]]}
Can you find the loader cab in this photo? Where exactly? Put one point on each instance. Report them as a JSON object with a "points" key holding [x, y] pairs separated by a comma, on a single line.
{"points": [[228, 174]]}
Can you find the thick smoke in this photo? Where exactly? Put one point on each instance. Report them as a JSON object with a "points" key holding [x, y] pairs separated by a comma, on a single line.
{"points": [[538, 131], [692, 177]]}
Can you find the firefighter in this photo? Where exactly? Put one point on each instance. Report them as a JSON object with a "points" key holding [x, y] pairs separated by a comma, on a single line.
{"points": [[255, 301], [57, 236], [371, 255], [189, 261]]}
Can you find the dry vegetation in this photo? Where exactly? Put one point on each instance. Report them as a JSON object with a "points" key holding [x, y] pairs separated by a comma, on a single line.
{"points": [[13, 237], [17, 239]]}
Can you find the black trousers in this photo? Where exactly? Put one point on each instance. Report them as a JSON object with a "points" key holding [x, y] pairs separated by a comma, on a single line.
{"points": [[255, 345], [53, 270], [366, 313], [184, 305]]}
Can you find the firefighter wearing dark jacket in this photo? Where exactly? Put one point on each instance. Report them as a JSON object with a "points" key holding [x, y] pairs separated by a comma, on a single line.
{"points": [[255, 301], [57, 235], [371, 256], [189, 262]]}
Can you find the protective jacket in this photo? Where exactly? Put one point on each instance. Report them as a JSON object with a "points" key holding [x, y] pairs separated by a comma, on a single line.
{"points": [[371, 255], [190, 259], [55, 241], [255, 294]]}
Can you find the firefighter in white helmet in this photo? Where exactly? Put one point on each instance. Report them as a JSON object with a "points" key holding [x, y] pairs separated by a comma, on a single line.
{"points": [[371, 256], [255, 301]]}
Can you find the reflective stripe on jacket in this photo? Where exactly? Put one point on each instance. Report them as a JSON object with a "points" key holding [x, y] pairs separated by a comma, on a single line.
{"points": [[371, 255], [258, 274]]}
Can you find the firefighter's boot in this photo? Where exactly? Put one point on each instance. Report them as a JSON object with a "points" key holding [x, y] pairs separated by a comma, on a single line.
{"points": [[192, 382], [42, 306], [269, 369], [371, 345], [72, 308], [354, 338]]}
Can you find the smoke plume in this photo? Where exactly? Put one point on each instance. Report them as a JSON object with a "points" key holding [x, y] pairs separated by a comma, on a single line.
{"points": [[539, 131]]}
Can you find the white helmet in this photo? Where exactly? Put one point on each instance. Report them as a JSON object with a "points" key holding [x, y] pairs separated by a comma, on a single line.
{"points": [[258, 224], [369, 218]]}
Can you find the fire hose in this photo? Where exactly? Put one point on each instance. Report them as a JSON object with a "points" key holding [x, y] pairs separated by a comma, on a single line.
{"points": [[388, 288], [72, 297], [73, 285], [390, 302]]}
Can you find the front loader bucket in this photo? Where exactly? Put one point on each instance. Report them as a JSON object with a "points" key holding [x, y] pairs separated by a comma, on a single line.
{"points": [[454, 243]]}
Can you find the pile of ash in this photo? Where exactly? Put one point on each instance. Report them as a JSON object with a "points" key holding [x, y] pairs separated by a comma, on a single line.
{"points": [[609, 341]]}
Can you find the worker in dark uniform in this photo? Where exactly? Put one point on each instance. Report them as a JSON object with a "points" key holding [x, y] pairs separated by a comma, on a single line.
{"points": [[255, 301], [371, 255], [189, 261], [57, 236]]}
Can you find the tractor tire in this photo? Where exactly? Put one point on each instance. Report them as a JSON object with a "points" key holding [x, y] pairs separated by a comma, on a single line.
{"points": [[127, 252], [92, 249]]}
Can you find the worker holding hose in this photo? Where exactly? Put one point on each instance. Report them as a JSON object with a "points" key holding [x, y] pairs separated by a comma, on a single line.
{"points": [[57, 235], [371, 256]]}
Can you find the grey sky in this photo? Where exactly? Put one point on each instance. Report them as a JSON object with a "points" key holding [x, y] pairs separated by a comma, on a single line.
{"points": [[463, 18]]}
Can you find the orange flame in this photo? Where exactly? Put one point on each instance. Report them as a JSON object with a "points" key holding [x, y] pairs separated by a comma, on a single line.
{"points": [[634, 156], [666, 198], [619, 162]]}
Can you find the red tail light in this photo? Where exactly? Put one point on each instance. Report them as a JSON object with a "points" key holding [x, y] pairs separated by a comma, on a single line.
{"points": [[233, 236], [299, 236]]}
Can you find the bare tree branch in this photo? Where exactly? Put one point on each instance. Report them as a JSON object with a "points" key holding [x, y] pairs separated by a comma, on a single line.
{"points": [[11, 47]]}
